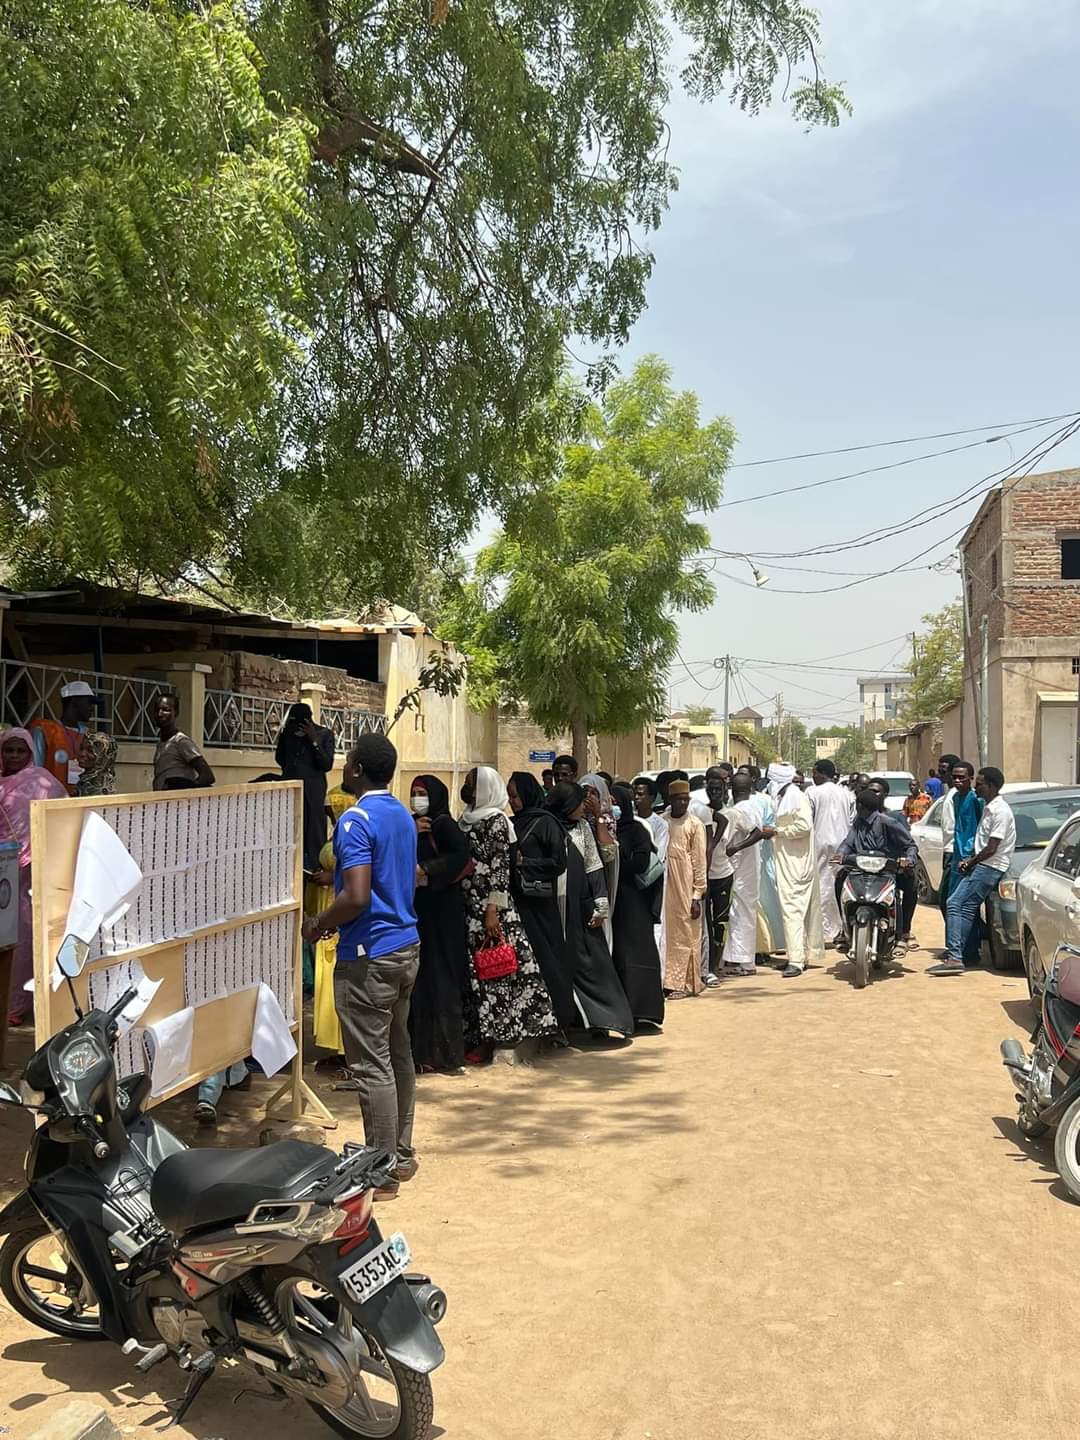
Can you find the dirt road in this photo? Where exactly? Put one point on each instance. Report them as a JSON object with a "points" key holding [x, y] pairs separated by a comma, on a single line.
{"points": [[803, 1211]]}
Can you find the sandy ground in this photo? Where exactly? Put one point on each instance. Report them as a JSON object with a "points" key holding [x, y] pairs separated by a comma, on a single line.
{"points": [[803, 1211]]}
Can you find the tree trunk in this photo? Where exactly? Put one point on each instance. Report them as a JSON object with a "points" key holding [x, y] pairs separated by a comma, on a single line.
{"points": [[581, 745]]}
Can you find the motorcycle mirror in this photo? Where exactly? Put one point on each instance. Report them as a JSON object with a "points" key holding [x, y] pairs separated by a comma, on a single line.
{"points": [[9, 1096], [71, 957]]}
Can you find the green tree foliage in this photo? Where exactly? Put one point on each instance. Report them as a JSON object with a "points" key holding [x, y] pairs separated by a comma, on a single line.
{"points": [[280, 283], [699, 715], [150, 200], [938, 665], [571, 609]]}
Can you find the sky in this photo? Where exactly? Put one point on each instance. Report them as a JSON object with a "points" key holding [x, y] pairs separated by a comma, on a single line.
{"points": [[909, 273]]}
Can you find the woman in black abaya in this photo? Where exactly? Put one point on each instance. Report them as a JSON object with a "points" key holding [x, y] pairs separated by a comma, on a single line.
{"points": [[601, 1000], [539, 860], [442, 853], [637, 960]]}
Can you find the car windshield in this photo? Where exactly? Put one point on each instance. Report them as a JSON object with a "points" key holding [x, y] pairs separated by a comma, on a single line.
{"points": [[1038, 821], [897, 784]]}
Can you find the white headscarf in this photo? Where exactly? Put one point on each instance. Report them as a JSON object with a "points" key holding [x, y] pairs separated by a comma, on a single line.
{"points": [[490, 798], [600, 785], [784, 792]]}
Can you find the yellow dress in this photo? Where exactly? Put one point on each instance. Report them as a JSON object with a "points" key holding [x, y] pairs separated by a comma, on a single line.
{"points": [[316, 899]]}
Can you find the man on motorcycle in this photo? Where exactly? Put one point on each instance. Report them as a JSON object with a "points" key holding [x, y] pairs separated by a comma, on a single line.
{"points": [[875, 831]]}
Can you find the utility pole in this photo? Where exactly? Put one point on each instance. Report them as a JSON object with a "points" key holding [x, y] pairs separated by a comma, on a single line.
{"points": [[726, 747], [780, 724]]}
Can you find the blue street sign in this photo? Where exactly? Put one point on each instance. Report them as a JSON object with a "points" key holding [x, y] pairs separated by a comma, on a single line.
{"points": [[541, 757]]}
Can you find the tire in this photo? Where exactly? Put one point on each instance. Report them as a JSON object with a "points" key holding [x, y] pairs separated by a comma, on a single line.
{"points": [[20, 1294], [925, 893], [1067, 1150], [1034, 974], [414, 1401], [861, 947], [1001, 959]]}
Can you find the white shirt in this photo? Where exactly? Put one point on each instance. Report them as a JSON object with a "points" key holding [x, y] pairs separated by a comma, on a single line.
{"points": [[831, 808], [948, 820], [720, 866], [997, 820]]}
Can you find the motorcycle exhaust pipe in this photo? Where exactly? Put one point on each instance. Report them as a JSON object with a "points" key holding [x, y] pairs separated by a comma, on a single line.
{"points": [[1015, 1060], [430, 1298]]}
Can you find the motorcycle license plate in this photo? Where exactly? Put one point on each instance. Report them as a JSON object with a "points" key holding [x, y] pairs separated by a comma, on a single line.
{"points": [[378, 1267]]}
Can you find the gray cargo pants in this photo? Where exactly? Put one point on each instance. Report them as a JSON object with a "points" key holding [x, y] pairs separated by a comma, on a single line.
{"points": [[372, 999]]}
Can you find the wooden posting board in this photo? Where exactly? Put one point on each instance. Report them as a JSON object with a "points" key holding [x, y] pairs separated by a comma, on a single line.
{"points": [[218, 912]]}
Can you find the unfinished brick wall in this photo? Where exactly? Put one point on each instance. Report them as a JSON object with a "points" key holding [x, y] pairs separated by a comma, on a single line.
{"points": [[1040, 511], [250, 674]]}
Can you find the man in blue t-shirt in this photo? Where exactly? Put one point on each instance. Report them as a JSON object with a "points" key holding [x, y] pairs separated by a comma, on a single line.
{"points": [[378, 951]]}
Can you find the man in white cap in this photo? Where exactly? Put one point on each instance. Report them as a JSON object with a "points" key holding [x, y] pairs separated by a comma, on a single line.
{"points": [[58, 744]]}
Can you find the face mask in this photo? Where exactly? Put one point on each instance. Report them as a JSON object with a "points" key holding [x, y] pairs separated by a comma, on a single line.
{"points": [[616, 812], [468, 794], [420, 804]]}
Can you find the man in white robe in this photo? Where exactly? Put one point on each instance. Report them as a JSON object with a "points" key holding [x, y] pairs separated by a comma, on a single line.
{"points": [[797, 878], [743, 840], [831, 808]]}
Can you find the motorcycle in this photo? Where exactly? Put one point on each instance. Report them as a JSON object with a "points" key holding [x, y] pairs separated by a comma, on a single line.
{"points": [[269, 1258], [1048, 1081], [868, 904]]}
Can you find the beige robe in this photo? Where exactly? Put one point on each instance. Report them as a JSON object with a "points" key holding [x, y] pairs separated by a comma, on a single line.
{"points": [[684, 882], [797, 881]]}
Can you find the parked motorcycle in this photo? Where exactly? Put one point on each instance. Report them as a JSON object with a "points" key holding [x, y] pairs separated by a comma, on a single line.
{"points": [[268, 1257], [868, 902], [1048, 1081]]}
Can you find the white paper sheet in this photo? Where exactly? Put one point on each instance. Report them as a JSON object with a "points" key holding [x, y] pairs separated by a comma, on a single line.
{"points": [[106, 987], [106, 879], [169, 1044], [272, 1043]]}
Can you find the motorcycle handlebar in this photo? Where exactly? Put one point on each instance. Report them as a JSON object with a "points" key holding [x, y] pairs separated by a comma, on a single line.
{"points": [[114, 1011]]}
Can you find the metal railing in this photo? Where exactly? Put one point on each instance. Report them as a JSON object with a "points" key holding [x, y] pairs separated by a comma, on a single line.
{"points": [[125, 704], [348, 725], [242, 722]]}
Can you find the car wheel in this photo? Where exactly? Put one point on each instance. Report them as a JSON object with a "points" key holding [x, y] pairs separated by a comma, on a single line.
{"points": [[924, 891], [1001, 957], [1034, 973]]}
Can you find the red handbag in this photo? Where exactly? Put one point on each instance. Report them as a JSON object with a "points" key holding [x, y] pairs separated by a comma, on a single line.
{"points": [[495, 962]]}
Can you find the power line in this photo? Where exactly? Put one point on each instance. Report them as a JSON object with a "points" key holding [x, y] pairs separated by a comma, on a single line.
{"points": [[1038, 451], [864, 579], [883, 444], [877, 469]]}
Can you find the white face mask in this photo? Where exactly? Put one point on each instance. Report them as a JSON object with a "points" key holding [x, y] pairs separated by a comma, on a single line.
{"points": [[420, 804]]}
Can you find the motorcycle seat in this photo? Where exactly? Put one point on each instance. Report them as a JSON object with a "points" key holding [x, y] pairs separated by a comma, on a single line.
{"points": [[196, 1188]]}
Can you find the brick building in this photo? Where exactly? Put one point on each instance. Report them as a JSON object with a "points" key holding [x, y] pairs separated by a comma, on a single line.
{"points": [[1021, 580]]}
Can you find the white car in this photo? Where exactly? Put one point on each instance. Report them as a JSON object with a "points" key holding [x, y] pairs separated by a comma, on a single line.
{"points": [[927, 836], [1048, 903], [898, 783]]}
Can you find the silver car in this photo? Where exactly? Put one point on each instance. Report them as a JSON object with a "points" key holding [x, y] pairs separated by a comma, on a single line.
{"points": [[1048, 903]]}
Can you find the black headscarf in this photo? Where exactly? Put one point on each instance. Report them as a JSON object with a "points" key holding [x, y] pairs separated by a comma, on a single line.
{"points": [[530, 791], [565, 799], [437, 793], [624, 798]]}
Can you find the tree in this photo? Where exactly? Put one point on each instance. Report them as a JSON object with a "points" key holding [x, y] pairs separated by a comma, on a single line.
{"points": [[571, 609], [937, 667], [699, 715], [280, 283]]}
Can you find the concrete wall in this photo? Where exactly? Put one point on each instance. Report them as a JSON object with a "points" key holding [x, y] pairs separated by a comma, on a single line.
{"points": [[628, 755], [517, 735]]}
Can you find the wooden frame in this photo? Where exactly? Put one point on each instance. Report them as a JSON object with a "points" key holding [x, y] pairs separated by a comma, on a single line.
{"points": [[223, 1026]]}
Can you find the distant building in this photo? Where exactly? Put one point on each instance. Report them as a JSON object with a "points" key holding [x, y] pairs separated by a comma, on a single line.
{"points": [[881, 696], [747, 716], [1021, 577], [826, 746]]}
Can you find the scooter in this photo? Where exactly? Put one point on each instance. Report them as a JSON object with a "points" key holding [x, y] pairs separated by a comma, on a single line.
{"points": [[868, 901], [268, 1258], [1048, 1081]]}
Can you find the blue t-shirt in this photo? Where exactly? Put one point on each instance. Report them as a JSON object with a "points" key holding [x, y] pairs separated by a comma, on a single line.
{"points": [[378, 831]]}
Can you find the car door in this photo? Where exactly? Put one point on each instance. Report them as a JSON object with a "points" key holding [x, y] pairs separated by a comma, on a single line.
{"points": [[927, 833], [1053, 908]]}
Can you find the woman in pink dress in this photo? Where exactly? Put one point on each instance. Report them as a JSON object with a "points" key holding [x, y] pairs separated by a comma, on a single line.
{"points": [[21, 783]]}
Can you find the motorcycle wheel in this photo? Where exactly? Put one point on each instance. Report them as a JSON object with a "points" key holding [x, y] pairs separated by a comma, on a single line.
{"points": [[29, 1282], [394, 1403], [1067, 1149], [862, 956]]}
